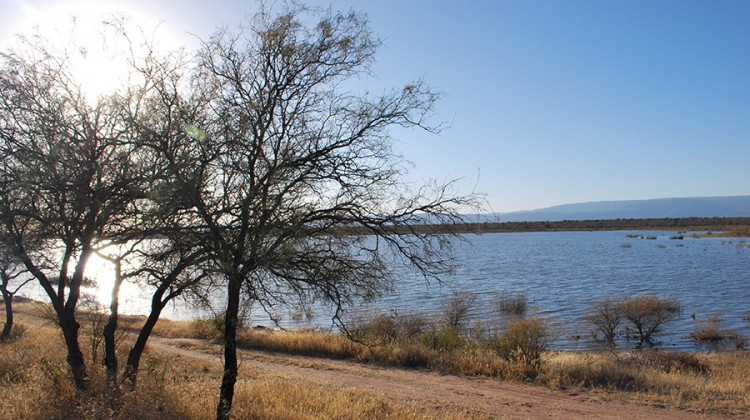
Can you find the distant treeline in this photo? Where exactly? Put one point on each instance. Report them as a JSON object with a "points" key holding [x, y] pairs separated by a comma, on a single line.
{"points": [[732, 225]]}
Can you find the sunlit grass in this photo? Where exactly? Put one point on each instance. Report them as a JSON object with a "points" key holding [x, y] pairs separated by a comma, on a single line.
{"points": [[33, 369], [723, 387], [34, 384]]}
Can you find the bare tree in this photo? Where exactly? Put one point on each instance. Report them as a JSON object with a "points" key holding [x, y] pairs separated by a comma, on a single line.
{"points": [[648, 314], [457, 308], [170, 268], [605, 317], [292, 177], [266, 171], [170, 260], [81, 177], [70, 175]]}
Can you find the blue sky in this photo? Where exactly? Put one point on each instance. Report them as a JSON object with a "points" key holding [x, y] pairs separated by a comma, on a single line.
{"points": [[548, 102]]}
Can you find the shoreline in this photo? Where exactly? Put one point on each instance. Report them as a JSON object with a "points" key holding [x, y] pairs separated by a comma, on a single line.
{"points": [[713, 226], [327, 374]]}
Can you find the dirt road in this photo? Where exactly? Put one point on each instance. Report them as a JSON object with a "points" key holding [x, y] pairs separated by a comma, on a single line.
{"points": [[489, 396]]}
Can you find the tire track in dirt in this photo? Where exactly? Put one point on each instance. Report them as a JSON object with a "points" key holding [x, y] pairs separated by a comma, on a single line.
{"points": [[474, 394]]}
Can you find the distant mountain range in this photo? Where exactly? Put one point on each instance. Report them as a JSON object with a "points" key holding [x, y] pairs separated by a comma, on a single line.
{"points": [[734, 206]]}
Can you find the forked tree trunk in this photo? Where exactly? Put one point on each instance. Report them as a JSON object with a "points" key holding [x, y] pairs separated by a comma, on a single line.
{"points": [[66, 318], [226, 393], [70, 325]]}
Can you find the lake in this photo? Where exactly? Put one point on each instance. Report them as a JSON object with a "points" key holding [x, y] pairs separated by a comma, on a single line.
{"points": [[561, 274]]}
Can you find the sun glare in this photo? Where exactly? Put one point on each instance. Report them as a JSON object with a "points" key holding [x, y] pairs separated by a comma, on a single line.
{"points": [[98, 58]]}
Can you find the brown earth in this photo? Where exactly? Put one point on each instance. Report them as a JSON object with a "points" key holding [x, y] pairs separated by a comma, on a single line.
{"points": [[482, 396]]}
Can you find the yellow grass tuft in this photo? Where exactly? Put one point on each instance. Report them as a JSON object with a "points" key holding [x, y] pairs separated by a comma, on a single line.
{"points": [[306, 342]]}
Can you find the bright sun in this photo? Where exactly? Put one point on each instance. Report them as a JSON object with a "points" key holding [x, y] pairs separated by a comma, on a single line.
{"points": [[99, 61], [99, 65]]}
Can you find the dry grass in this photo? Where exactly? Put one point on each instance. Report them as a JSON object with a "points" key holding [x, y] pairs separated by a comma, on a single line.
{"points": [[718, 382], [711, 383], [728, 231], [739, 231], [301, 342], [33, 369], [35, 384]]}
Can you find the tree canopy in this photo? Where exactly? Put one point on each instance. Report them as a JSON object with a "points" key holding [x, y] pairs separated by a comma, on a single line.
{"points": [[249, 165]]}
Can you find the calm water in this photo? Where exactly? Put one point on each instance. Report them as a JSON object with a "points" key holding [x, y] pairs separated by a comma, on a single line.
{"points": [[560, 274]]}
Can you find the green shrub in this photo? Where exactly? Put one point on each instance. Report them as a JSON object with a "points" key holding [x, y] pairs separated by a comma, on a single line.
{"points": [[442, 339], [207, 328], [523, 343]]}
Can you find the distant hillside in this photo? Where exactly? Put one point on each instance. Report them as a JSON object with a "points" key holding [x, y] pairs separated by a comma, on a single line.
{"points": [[735, 206]]}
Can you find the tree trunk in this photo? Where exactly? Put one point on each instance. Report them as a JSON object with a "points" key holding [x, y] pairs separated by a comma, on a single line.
{"points": [[110, 358], [226, 394], [8, 299], [70, 328], [70, 325], [130, 376], [66, 311]]}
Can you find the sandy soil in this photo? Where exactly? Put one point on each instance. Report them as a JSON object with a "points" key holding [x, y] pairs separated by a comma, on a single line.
{"points": [[493, 397]]}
